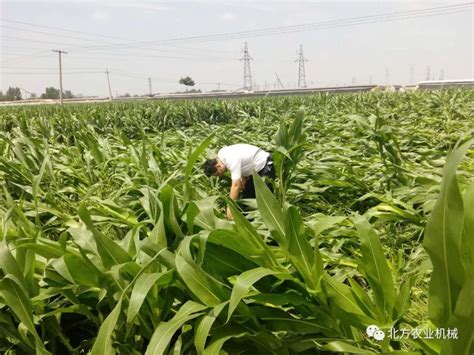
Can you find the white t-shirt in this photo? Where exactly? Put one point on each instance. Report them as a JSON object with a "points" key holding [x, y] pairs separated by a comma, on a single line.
{"points": [[242, 159]]}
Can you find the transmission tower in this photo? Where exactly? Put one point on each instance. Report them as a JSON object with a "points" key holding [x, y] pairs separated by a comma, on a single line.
{"points": [[387, 76], [428, 75], [441, 75], [412, 75], [301, 71], [247, 72]]}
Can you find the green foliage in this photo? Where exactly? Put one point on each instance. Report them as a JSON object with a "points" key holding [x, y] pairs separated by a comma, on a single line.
{"points": [[187, 81], [448, 229], [12, 94], [50, 93], [112, 240]]}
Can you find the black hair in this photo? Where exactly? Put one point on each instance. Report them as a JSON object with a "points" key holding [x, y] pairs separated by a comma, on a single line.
{"points": [[210, 167]]}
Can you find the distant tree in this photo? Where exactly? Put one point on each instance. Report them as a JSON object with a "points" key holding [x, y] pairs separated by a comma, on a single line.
{"points": [[68, 94], [187, 81], [50, 93], [13, 94], [126, 95], [33, 96]]}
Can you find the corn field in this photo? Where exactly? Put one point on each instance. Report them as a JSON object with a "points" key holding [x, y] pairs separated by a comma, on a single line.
{"points": [[113, 241]]}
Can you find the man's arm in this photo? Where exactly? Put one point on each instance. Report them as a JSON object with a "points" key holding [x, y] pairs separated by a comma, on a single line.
{"points": [[234, 195]]}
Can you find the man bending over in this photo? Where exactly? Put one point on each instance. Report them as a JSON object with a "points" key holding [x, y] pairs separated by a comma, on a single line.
{"points": [[241, 160]]}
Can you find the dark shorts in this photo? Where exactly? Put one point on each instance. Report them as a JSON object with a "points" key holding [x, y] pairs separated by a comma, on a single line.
{"points": [[268, 171]]}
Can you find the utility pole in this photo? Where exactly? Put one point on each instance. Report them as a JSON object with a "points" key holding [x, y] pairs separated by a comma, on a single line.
{"points": [[301, 71], [353, 81], [387, 76], [60, 75], [428, 75], [370, 80], [412, 75], [108, 81], [149, 86], [247, 72], [441, 75]]}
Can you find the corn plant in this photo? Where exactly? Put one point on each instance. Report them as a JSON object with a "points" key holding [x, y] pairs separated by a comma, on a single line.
{"points": [[113, 241]]}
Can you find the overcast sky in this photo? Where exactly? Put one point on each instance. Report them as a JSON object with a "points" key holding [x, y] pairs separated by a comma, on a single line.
{"points": [[124, 36]]}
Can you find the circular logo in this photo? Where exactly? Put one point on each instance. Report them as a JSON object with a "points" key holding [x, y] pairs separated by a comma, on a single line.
{"points": [[375, 332], [371, 329]]}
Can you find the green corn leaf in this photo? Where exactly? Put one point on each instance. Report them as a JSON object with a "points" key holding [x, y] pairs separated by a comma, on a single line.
{"points": [[205, 218], [323, 223], [168, 201], [242, 285], [467, 241], [270, 210], [193, 157], [16, 298], [158, 234], [443, 242], [363, 299], [103, 342], [10, 267], [204, 326], [81, 271], [200, 284], [402, 302], [278, 320], [342, 347], [215, 347], [239, 243], [341, 298], [139, 292], [462, 319], [299, 251], [110, 252], [47, 251], [375, 267], [165, 330]]}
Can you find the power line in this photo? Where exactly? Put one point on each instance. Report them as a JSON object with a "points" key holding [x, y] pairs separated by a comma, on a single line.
{"points": [[191, 57], [57, 28], [89, 34], [440, 10], [211, 57]]}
